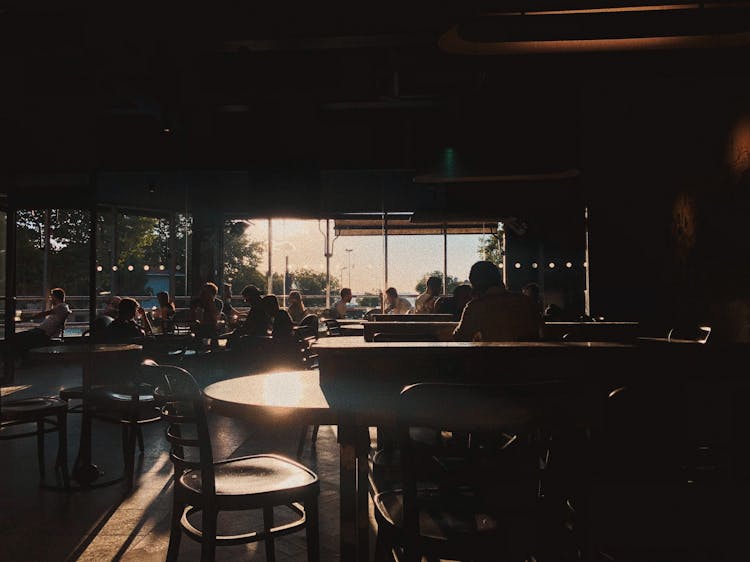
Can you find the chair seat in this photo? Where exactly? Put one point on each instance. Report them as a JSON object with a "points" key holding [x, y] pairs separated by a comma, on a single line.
{"points": [[108, 393], [440, 519], [31, 409], [253, 475]]}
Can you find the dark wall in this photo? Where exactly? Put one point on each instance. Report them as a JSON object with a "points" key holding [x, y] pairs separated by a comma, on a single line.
{"points": [[665, 166]]}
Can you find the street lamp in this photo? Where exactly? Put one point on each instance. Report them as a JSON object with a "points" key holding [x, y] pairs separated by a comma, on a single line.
{"points": [[349, 260], [341, 274]]}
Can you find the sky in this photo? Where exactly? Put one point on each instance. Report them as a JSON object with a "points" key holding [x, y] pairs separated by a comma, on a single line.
{"points": [[409, 257]]}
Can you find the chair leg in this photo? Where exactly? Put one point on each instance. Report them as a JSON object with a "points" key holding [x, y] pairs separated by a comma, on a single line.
{"points": [[175, 530], [62, 448], [40, 447], [128, 436], [382, 549], [268, 525], [315, 433], [208, 545], [301, 444], [139, 435], [312, 530]]}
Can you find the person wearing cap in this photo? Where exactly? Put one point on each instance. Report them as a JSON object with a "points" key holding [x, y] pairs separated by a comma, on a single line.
{"points": [[496, 314]]}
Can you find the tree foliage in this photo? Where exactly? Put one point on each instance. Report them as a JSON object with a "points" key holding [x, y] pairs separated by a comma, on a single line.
{"points": [[369, 300], [309, 282], [452, 281], [490, 248], [242, 258]]}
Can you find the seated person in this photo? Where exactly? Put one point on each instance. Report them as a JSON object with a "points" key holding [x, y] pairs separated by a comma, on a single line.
{"points": [[296, 309], [205, 311], [124, 328], [396, 304], [496, 314], [257, 322], [231, 314], [50, 327], [425, 303], [164, 314], [339, 309], [553, 313], [454, 304], [112, 306], [282, 325], [533, 291]]}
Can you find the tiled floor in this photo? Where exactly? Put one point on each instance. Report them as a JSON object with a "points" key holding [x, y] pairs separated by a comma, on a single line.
{"points": [[103, 524]]}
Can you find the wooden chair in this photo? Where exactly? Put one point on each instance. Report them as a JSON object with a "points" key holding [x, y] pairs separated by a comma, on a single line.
{"points": [[204, 486], [333, 328], [459, 498], [698, 334], [48, 414], [642, 486], [311, 321]]}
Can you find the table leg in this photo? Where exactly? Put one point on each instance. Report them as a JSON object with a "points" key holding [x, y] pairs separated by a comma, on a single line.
{"points": [[84, 471], [348, 491], [363, 496]]}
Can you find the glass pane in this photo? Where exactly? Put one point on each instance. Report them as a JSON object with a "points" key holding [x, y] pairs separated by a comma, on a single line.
{"points": [[133, 256], [63, 263]]}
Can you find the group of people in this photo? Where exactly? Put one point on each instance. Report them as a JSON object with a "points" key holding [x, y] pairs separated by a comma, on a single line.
{"points": [[485, 309]]}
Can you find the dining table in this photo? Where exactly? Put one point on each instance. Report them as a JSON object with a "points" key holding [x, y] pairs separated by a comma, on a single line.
{"points": [[299, 398], [85, 472], [358, 385]]}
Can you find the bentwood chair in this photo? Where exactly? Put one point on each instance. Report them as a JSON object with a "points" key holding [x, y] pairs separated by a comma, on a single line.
{"points": [[468, 496], [644, 495], [122, 398], [47, 414], [206, 487]]}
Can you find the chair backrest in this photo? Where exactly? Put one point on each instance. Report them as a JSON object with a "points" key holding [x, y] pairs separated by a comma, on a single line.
{"points": [[187, 427], [333, 327], [480, 418], [698, 334], [311, 321]]}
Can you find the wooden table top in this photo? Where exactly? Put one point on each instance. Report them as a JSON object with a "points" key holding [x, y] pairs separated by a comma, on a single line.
{"points": [[87, 349], [299, 397], [353, 342], [591, 323]]}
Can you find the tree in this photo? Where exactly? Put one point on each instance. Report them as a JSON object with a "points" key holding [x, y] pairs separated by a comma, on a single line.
{"points": [[452, 281], [309, 282], [369, 300], [491, 249], [242, 257]]}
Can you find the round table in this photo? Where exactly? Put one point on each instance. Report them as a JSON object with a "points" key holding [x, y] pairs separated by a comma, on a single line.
{"points": [[299, 398], [84, 471]]}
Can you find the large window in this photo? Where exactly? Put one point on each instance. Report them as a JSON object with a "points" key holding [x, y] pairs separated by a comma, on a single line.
{"points": [[140, 254], [52, 250]]}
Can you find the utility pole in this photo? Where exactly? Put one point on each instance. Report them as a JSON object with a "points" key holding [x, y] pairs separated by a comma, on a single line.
{"points": [[349, 264]]}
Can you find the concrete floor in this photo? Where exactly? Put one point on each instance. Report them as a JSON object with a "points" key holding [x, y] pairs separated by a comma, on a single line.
{"points": [[104, 524]]}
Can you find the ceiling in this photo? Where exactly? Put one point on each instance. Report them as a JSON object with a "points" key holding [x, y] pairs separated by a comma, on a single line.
{"points": [[262, 86]]}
